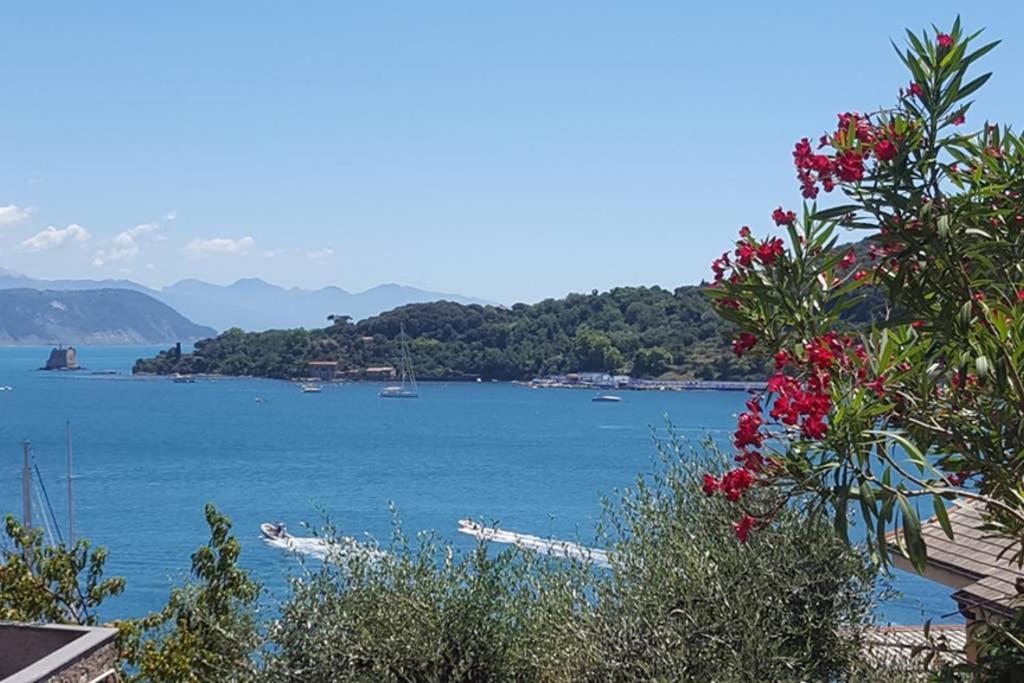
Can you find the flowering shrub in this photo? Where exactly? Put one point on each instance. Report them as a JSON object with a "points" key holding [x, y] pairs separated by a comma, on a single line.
{"points": [[925, 404]]}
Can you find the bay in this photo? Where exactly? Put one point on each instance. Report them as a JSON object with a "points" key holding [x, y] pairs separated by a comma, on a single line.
{"points": [[149, 453]]}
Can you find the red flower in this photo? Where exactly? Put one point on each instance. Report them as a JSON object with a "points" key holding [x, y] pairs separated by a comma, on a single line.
{"points": [[850, 166], [860, 275], [711, 485], [783, 357], [769, 250], [783, 217], [944, 40], [744, 527], [814, 428], [1020, 295], [743, 343], [848, 260], [885, 150], [729, 303], [752, 460], [748, 432], [917, 324], [916, 90], [719, 266], [959, 119], [878, 386], [736, 482], [745, 231], [745, 254]]}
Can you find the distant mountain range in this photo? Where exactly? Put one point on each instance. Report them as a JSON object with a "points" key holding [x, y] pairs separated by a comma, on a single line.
{"points": [[100, 316], [253, 304]]}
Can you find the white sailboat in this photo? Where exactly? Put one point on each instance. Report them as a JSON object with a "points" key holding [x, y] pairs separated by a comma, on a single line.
{"points": [[407, 389]]}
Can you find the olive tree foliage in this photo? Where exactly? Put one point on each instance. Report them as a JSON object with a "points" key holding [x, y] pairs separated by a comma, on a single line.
{"points": [[208, 631], [677, 603], [51, 583]]}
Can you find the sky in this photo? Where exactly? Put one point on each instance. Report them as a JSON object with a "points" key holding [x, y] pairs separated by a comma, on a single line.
{"points": [[510, 151]]}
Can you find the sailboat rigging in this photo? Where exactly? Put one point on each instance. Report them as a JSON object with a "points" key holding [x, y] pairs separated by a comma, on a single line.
{"points": [[408, 388]]}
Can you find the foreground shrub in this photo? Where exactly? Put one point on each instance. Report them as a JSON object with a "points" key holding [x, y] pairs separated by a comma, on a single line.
{"points": [[677, 604]]}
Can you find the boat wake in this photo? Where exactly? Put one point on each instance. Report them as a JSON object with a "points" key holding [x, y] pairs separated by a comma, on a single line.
{"points": [[544, 546], [338, 550]]}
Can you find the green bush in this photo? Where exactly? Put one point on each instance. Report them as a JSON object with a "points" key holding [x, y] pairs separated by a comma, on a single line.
{"points": [[678, 603]]}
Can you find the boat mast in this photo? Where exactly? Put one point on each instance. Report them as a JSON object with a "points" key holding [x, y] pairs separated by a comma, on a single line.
{"points": [[71, 494], [26, 487], [407, 360]]}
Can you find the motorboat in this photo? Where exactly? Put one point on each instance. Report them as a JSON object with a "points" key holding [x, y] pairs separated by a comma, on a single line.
{"points": [[311, 389], [183, 379], [606, 398], [274, 531]]}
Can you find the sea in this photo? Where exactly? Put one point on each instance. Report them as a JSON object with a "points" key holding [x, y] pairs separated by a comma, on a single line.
{"points": [[150, 453]]}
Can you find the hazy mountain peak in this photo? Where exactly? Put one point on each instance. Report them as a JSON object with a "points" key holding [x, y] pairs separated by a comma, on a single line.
{"points": [[255, 304]]}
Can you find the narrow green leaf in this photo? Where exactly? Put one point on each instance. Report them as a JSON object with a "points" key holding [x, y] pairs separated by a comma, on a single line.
{"points": [[942, 515]]}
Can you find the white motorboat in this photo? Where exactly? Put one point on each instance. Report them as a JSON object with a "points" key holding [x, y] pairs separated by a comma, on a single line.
{"points": [[311, 389], [607, 398], [545, 546]]}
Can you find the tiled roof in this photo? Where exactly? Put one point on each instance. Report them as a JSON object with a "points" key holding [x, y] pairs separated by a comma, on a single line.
{"points": [[983, 558]]}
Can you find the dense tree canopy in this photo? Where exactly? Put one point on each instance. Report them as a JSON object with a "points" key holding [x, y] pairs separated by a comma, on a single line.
{"points": [[645, 331]]}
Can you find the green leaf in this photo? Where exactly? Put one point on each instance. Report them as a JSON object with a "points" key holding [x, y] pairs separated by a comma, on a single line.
{"points": [[916, 550], [942, 515], [835, 212], [972, 86]]}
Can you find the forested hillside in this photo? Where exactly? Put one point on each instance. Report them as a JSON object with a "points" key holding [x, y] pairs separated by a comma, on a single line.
{"points": [[648, 332], [641, 331]]}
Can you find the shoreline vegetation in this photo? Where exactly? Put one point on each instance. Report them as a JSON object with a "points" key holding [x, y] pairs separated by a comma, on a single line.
{"points": [[647, 333]]}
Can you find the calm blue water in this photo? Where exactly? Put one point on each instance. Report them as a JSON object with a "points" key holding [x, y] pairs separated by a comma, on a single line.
{"points": [[150, 453]]}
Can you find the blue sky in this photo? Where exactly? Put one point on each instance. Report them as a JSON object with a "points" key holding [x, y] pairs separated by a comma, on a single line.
{"points": [[511, 151]]}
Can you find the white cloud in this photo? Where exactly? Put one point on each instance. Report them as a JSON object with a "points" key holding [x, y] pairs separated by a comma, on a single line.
{"points": [[124, 246], [170, 215], [52, 238], [271, 253], [320, 255], [11, 214], [219, 245]]}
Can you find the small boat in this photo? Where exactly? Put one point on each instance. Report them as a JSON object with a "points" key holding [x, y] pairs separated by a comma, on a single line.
{"points": [[311, 389], [606, 398], [183, 379], [6, 388], [544, 546], [274, 531], [339, 549], [407, 389]]}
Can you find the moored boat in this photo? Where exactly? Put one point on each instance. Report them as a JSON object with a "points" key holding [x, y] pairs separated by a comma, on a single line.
{"points": [[607, 398], [407, 389]]}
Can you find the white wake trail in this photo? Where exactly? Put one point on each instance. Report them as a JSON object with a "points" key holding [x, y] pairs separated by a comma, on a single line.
{"points": [[544, 546], [340, 549]]}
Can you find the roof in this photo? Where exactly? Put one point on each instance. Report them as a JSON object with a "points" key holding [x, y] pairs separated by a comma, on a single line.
{"points": [[981, 561], [325, 363], [906, 644], [385, 368]]}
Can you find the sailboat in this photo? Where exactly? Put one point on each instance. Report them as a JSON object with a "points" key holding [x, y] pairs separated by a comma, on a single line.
{"points": [[407, 389]]}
